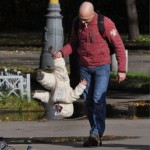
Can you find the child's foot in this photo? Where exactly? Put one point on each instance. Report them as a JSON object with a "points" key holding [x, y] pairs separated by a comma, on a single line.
{"points": [[43, 96], [40, 74]]}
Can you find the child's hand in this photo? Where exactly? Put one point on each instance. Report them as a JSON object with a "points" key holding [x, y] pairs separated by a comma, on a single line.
{"points": [[57, 55], [84, 82]]}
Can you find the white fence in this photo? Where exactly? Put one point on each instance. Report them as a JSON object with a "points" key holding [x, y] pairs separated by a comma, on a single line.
{"points": [[14, 83]]}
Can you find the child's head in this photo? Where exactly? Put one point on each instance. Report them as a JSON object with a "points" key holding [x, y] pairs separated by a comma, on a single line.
{"points": [[63, 110]]}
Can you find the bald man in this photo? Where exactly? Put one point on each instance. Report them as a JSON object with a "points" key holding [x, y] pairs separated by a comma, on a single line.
{"points": [[95, 60]]}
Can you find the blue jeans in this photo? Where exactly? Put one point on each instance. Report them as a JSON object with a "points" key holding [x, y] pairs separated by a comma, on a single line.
{"points": [[95, 96]]}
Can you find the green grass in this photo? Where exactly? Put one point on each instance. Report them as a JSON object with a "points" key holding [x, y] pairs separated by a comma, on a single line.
{"points": [[14, 103], [144, 38], [134, 83], [28, 38]]}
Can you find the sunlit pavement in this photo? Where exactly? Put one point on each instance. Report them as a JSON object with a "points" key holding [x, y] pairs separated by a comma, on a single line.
{"points": [[125, 133], [137, 62], [136, 132]]}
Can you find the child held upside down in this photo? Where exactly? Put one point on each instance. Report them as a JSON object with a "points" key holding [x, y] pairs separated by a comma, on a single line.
{"points": [[59, 91]]}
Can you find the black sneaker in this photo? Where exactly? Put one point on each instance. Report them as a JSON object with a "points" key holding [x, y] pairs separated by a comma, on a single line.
{"points": [[93, 140], [100, 140]]}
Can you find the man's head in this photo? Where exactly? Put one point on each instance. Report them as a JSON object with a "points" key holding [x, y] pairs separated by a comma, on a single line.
{"points": [[86, 12]]}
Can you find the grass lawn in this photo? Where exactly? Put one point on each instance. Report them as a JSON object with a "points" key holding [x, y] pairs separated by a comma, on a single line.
{"points": [[134, 83]]}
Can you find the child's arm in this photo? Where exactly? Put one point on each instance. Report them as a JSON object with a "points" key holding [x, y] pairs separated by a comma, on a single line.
{"points": [[59, 65], [75, 94], [60, 69]]}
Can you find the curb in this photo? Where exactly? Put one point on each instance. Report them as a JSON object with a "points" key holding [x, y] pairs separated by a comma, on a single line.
{"points": [[50, 140]]}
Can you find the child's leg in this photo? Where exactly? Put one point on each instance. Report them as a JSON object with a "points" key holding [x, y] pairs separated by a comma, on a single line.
{"points": [[47, 80], [43, 96], [40, 74]]}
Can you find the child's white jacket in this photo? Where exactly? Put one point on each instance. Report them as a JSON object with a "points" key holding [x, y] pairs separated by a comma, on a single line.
{"points": [[58, 84]]}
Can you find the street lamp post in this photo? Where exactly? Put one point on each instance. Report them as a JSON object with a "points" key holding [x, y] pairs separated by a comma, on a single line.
{"points": [[53, 36], [53, 33]]}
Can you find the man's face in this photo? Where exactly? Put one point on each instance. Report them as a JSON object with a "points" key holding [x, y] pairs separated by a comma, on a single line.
{"points": [[86, 19]]}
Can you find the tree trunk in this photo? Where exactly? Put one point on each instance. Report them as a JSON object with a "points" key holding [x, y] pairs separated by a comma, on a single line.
{"points": [[132, 19]]}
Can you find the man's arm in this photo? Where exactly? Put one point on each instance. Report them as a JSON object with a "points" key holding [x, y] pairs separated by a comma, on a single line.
{"points": [[116, 41], [69, 47]]}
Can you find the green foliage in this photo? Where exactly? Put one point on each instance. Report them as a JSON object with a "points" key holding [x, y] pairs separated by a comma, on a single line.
{"points": [[14, 103], [22, 14], [23, 38], [19, 68], [30, 14], [22, 116], [134, 83], [144, 38]]}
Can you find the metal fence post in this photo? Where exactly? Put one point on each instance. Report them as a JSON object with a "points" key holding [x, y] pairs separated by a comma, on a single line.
{"points": [[13, 81], [28, 88]]}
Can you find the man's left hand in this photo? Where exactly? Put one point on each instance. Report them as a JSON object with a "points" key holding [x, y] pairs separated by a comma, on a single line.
{"points": [[121, 76]]}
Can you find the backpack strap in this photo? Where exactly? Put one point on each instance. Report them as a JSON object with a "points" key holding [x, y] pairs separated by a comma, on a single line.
{"points": [[102, 32], [101, 25], [76, 24]]}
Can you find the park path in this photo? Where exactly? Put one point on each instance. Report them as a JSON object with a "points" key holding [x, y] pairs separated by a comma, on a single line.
{"points": [[137, 62]]}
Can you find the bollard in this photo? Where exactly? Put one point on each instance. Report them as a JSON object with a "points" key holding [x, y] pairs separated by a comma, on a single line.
{"points": [[114, 64], [53, 34]]}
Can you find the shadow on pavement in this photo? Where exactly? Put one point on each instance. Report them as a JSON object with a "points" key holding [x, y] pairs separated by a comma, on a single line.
{"points": [[106, 146], [128, 146]]}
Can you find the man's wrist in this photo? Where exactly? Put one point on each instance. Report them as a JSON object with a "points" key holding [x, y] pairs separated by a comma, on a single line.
{"points": [[121, 71], [61, 53]]}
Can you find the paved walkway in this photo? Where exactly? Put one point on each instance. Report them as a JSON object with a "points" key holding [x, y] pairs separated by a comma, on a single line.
{"points": [[119, 97], [135, 133], [137, 62]]}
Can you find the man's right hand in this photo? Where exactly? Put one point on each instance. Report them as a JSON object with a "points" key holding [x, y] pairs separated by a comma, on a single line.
{"points": [[57, 55]]}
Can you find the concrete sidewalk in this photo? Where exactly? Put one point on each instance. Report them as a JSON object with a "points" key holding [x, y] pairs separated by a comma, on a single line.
{"points": [[137, 62], [136, 133], [114, 97]]}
